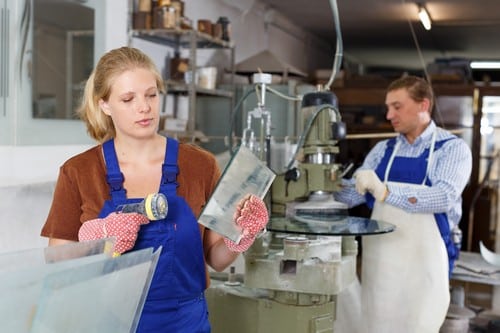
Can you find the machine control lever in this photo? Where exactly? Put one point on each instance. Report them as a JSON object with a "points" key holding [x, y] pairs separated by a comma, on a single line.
{"points": [[291, 174], [338, 130]]}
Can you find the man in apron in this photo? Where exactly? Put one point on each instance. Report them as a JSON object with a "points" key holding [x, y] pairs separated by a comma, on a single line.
{"points": [[415, 182]]}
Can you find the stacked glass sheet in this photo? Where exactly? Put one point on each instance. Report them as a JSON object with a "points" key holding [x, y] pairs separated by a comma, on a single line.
{"points": [[78, 287]]}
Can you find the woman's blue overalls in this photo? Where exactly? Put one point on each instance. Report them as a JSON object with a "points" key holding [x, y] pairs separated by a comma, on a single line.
{"points": [[175, 302], [413, 170]]}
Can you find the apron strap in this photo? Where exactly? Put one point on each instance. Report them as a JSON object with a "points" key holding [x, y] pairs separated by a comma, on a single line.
{"points": [[441, 218], [431, 155], [114, 177], [170, 169], [391, 159], [429, 160]]}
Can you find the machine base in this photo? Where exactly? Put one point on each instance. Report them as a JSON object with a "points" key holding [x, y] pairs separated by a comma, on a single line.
{"points": [[245, 310]]}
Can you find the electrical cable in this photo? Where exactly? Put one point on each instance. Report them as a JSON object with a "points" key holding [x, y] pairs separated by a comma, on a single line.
{"points": [[339, 47], [424, 68], [306, 130], [417, 45], [335, 69], [286, 97]]}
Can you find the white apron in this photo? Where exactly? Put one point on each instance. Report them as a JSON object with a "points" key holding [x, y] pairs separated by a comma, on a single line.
{"points": [[405, 272]]}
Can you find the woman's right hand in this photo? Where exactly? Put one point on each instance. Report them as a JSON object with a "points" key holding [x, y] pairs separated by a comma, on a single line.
{"points": [[122, 226]]}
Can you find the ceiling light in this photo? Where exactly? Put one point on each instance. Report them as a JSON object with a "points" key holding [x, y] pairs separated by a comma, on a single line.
{"points": [[485, 64], [424, 17]]}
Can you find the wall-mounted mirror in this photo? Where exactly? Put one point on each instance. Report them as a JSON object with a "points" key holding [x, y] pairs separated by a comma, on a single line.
{"points": [[47, 51], [63, 56]]}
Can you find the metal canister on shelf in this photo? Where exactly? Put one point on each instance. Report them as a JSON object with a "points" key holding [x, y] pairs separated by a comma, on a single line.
{"points": [[225, 27], [179, 6], [169, 17], [165, 17]]}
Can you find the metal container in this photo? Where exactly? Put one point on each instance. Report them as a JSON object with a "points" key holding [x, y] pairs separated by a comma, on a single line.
{"points": [[165, 17], [169, 17], [226, 28], [179, 7]]}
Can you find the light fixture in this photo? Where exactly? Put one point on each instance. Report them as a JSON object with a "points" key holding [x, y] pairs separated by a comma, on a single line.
{"points": [[485, 64], [424, 17]]}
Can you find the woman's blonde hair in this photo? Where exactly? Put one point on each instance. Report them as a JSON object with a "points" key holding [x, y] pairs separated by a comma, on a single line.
{"points": [[113, 63]]}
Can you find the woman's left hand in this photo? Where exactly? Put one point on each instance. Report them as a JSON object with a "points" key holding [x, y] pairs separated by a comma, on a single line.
{"points": [[252, 216]]}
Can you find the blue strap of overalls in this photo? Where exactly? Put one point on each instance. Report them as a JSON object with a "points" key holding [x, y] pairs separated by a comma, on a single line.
{"points": [[114, 176], [170, 169]]}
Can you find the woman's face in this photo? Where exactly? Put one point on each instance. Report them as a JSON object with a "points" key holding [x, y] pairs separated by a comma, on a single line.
{"points": [[133, 103]]}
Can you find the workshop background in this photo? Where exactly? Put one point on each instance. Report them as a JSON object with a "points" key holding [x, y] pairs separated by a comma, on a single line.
{"points": [[48, 48]]}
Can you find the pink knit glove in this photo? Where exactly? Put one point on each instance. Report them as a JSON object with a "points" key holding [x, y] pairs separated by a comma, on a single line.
{"points": [[122, 226], [251, 215]]}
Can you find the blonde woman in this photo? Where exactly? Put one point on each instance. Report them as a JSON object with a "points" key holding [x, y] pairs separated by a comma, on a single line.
{"points": [[121, 110]]}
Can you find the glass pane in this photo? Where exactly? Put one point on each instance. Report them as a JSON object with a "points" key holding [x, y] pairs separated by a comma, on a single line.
{"points": [[95, 293], [96, 299], [244, 174], [27, 259], [349, 226], [63, 56]]}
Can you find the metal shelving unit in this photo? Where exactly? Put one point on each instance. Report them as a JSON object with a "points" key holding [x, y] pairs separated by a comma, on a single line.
{"points": [[191, 40]]}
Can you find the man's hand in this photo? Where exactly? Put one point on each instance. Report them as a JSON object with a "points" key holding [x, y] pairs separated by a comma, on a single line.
{"points": [[367, 180], [122, 226], [252, 216]]}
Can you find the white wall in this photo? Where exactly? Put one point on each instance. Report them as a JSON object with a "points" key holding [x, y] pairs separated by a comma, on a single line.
{"points": [[23, 210], [27, 179], [21, 165]]}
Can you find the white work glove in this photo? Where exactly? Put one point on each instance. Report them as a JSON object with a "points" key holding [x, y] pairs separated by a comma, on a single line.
{"points": [[367, 180], [252, 216]]}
